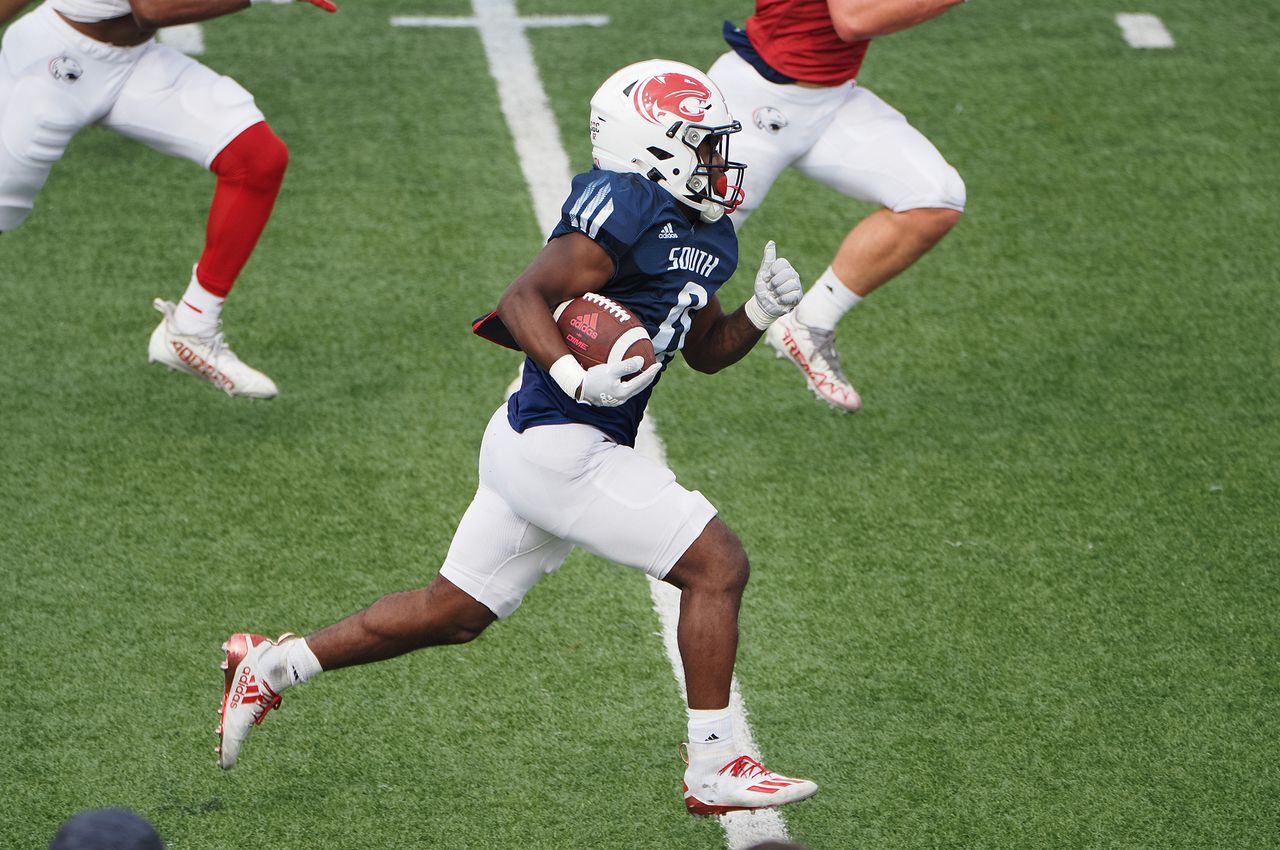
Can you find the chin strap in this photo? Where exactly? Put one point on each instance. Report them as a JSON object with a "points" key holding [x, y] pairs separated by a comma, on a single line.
{"points": [[711, 211]]}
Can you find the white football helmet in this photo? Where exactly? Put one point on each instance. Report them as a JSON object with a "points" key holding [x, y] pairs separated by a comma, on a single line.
{"points": [[651, 118]]}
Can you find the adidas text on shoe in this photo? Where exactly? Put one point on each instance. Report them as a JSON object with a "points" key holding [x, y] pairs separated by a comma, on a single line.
{"points": [[813, 351], [246, 695], [743, 784], [207, 357]]}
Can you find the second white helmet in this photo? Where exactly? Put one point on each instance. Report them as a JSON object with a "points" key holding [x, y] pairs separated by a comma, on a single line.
{"points": [[651, 118]]}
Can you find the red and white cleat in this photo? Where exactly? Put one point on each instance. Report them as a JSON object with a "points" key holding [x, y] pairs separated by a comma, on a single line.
{"points": [[741, 785], [246, 695], [813, 351], [207, 357]]}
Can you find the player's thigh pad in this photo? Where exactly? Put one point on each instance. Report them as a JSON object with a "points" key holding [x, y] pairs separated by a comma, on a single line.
{"points": [[497, 556], [780, 123], [582, 487], [179, 107], [870, 152], [53, 82]]}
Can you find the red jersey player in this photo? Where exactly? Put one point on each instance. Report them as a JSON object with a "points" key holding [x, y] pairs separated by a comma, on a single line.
{"points": [[71, 63], [791, 79]]}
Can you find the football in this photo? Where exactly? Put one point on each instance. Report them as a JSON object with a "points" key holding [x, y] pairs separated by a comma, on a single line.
{"points": [[600, 330]]}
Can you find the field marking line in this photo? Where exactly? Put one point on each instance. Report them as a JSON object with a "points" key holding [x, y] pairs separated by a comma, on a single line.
{"points": [[546, 169], [1144, 30], [741, 829], [524, 101], [186, 38]]}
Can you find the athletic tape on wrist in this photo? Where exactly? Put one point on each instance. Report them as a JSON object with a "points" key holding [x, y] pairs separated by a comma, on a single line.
{"points": [[757, 316], [567, 372]]}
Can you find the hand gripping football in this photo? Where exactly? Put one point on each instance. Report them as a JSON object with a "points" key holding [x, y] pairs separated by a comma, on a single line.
{"points": [[599, 330]]}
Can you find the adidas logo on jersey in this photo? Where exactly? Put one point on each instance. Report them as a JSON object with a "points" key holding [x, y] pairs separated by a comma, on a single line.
{"points": [[668, 232]]}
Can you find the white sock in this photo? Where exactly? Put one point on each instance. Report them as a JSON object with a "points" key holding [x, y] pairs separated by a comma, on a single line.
{"points": [[711, 740], [289, 663], [300, 662], [826, 302], [198, 310]]}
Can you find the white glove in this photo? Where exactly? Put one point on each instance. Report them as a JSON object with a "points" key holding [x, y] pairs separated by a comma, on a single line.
{"points": [[778, 289], [603, 385]]}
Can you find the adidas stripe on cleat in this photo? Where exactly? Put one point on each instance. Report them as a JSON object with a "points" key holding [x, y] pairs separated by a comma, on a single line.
{"points": [[246, 694], [743, 784]]}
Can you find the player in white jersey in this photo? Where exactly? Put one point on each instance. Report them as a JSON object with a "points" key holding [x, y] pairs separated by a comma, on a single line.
{"points": [[71, 63]]}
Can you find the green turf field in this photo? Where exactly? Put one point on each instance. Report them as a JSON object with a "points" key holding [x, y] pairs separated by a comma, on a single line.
{"points": [[1027, 598]]}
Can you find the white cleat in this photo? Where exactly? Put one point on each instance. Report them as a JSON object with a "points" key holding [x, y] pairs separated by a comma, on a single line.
{"points": [[813, 351], [743, 784], [246, 696], [206, 357]]}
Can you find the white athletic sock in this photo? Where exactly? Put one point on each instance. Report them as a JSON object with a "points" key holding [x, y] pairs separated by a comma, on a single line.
{"points": [[711, 740], [826, 302], [289, 663], [300, 662], [198, 310]]}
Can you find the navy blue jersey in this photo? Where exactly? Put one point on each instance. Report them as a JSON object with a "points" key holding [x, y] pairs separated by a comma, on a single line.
{"points": [[665, 270]]}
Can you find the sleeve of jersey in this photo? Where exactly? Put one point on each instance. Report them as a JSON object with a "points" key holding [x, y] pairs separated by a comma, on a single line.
{"points": [[609, 208]]}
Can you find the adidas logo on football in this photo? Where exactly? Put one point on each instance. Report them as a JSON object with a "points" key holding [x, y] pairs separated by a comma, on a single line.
{"points": [[668, 232], [586, 324]]}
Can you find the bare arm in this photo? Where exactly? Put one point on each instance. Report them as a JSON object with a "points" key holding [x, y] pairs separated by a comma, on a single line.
{"points": [[10, 8], [858, 20], [154, 14], [565, 268], [717, 340]]}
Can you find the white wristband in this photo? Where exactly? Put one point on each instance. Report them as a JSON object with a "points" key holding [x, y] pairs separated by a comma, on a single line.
{"points": [[273, 2], [757, 315], [567, 372]]}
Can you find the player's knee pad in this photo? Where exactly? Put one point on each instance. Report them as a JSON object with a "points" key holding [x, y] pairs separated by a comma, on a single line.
{"points": [[37, 128], [943, 189], [257, 157]]}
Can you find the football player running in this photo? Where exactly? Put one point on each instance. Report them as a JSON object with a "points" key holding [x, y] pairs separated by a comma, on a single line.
{"points": [[557, 463], [71, 63], [791, 77]]}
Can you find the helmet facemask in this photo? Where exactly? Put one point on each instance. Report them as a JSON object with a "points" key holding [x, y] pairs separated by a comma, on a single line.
{"points": [[710, 186]]}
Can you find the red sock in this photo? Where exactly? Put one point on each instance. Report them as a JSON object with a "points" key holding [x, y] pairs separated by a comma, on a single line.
{"points": [[250, 170]]}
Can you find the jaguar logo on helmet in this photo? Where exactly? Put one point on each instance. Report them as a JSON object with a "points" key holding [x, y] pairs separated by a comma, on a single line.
{"points": [[665, 97]]}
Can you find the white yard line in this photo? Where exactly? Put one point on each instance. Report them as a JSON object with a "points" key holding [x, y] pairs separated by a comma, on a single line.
{"points": [[1143, 30], [188, 38], [546, 169], [741, 829], [520, 92]]}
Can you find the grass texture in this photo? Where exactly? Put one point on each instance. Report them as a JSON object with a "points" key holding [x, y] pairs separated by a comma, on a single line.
{"points": [[1026, 598]]}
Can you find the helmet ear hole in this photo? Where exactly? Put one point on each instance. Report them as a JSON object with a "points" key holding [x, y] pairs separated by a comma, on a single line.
{"points": [[659, 153]]}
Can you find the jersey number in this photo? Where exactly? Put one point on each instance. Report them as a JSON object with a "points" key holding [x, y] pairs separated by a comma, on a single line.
{"points": [[672, 331]]}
